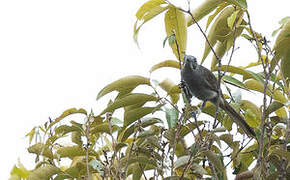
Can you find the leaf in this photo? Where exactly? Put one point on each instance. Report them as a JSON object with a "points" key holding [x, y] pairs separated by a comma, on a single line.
{"points": [[167, 63], [126, 132], [65, 129], [274, 106], [171, 116], [124, 85], [253, 113], [258, 86], [240, 3], [70, 151], [103, 128], [233, 81], [139, 159], [167, 86], [175, 23], [175, 178], [41, 149], [30, 135], [76, 137], [43, 173], [19, 171], [204, 9], [216, 161], [65, 114], [282, 49], [135, 114], [231, 20], [181, 161], [211, 17], [130, 99], [146, 12], [218, 31], [236, 70], [284, 20]]}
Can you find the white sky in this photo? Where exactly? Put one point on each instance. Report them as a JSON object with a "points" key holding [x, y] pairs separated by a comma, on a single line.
{"points": [[58, 54]]}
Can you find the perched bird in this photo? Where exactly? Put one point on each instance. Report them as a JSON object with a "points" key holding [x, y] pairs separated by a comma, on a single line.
{"points": [[202, 83]]}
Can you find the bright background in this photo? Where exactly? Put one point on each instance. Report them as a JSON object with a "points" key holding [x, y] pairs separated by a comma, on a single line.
{"points": [[58, 54]]}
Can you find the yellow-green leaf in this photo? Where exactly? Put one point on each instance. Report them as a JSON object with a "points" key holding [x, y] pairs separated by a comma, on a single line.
{"points": [[204, 9], [215, 160], [67, 113], [146, 12], [70, 151], [40, 149], [103, 128], [218, 31], [30, 135], [167, 63], [43, 173], [135, 114], [175, 23], [231, 20], [218, 10], [126, 85], [275, 105], [167, 86], [253, 114], [130, 99], [282, 42], [258, 86]]}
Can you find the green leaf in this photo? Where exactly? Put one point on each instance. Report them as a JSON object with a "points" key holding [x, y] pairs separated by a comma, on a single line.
{"points": [[175, 23], [274, 106], [135, 114], [130, 99], [65, 129], [253, 113], [231, 20], [30, 135], [41, 149], [240, 3], [65, 114], [167, 85], [204, 9], [146, 12], [284, 20], [171, 117], [126, 132], [103, 128], [139, 159], [233, 81], [167, 63], [19, 171], [218, 31], [215, 160], [211, 17], [70, 151], [124, 85], [181, 161], [44, 173]]}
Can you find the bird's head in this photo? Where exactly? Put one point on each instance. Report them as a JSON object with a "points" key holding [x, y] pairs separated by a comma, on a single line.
{"points": [[190, 61]]}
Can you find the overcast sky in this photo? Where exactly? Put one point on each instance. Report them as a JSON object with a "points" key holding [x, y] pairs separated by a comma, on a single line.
{"points": [[58, 54]]}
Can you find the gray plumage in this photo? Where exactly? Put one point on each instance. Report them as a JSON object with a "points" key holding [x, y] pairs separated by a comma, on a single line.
{"points": [[201, 83]]}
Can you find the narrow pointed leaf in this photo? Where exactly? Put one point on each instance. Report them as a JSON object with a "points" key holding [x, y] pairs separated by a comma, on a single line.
{"points": [[67, 113], [167, 63], [175, 23], [44, 173], [130, 99], [125, 84]]}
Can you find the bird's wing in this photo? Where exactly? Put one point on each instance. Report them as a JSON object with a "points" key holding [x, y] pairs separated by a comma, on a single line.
{"points": [[210, 79]]}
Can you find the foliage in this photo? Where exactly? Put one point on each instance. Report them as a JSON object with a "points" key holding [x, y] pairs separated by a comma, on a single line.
{"points": [[141, 135]]}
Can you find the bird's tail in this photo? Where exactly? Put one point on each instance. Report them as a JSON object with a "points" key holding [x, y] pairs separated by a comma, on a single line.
{"points": [[237, 118]]}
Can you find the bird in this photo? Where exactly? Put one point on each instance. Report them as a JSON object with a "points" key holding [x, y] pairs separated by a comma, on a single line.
{"points": [[200, 82]]}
